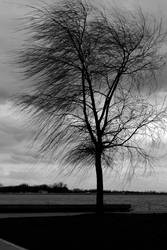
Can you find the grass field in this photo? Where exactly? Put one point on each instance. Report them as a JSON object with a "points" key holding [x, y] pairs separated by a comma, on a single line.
{"points": [[140, 203]]}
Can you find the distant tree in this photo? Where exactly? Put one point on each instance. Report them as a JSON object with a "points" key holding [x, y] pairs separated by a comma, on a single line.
{"points": [[59, 187], [91, 72]]}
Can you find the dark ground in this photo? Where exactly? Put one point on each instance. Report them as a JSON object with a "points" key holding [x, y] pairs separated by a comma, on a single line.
{"points": [[87, 231]]}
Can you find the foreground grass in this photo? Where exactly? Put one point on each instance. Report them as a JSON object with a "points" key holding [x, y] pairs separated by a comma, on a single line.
{"points": [[86, 231]]}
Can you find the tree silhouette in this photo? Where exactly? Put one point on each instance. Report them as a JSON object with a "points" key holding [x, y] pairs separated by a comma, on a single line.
{"points": [[91, 73]]}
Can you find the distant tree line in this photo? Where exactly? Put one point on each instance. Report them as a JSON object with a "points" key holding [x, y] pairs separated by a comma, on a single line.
{"points": [[62, 188], [25, 188]]}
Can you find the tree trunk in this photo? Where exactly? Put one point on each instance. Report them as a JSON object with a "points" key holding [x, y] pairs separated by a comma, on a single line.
{"points": [[99, 178]]}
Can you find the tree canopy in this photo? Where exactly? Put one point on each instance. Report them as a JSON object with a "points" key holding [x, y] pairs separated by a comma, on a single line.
{"points": [[92, 71]]}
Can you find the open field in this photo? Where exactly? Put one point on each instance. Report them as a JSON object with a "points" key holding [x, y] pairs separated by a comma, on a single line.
{"points": [[139, 203]]}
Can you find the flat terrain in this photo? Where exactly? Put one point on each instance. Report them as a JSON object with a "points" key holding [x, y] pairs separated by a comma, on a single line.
{"points": [[140, 203], [112, 231], [145, 227]]}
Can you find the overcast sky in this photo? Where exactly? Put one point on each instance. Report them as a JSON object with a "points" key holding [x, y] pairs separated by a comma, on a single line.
{"points": [[18, 159]]}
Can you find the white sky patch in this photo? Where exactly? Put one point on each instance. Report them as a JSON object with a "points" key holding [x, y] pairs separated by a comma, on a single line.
{"points": [[26, 173]]}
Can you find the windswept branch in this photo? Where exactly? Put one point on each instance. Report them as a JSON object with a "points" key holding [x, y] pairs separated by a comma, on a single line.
{"points": [[91, 71]]}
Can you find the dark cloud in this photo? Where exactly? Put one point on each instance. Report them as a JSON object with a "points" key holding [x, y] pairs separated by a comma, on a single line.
{"points": [[25, 157], [11, 138], [4, 95], [18, 132], [24, 175], [16, 140]]}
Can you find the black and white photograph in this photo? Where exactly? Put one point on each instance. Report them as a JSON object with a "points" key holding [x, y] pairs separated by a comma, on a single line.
{"points": [[83, 124]]}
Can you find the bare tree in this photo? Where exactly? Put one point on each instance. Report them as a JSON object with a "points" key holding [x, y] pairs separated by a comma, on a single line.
{"points": [[90, 71]]}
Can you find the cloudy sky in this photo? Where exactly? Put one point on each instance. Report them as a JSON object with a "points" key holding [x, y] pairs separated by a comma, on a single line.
{"points": [[18, 159]]}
